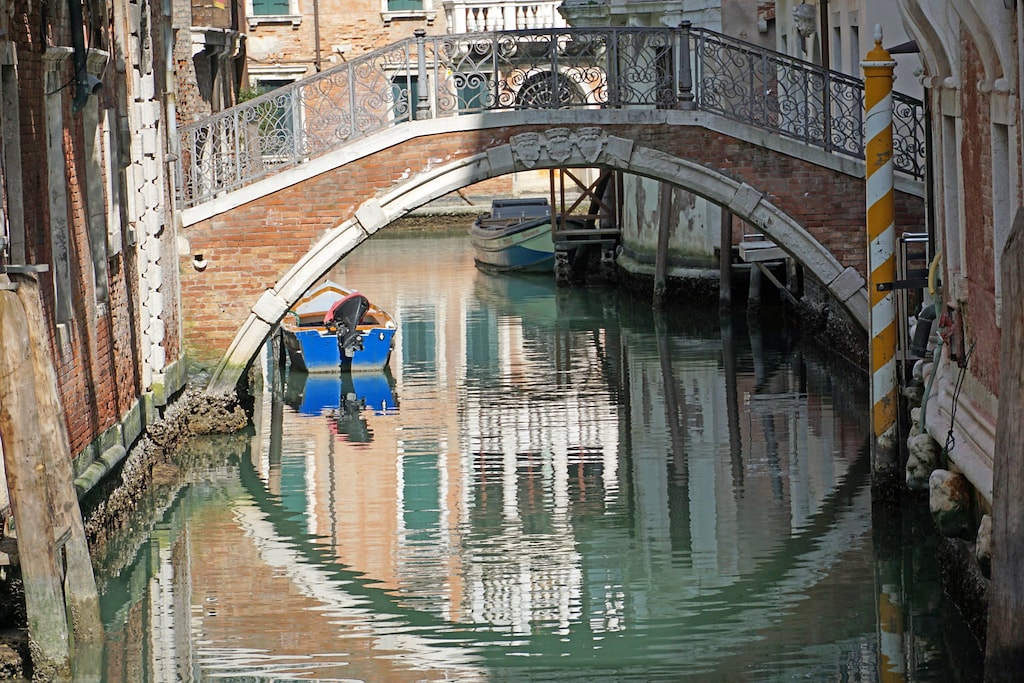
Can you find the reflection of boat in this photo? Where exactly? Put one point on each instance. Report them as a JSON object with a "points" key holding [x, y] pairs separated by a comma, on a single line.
{"points": [[515, 235], [530, 297], [313, 394], [344, 397], [335, 328]]}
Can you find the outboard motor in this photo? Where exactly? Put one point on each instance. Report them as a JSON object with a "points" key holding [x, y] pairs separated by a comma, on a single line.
{"points": [[343, 320]]}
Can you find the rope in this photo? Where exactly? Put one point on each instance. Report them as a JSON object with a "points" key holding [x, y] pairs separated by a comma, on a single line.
{"points": [[950, 439]]}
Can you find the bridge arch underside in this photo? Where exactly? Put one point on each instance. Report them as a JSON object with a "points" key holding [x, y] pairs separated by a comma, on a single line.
{"points": [[260, 257]]}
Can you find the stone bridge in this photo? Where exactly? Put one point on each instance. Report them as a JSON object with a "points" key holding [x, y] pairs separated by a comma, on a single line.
{"points": [[252, 249]]}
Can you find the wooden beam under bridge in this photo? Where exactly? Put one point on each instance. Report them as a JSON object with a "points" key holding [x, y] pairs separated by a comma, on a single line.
{"points": [[601, 221]]}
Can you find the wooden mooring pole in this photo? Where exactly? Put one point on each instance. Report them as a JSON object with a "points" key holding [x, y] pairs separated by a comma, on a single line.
{"points": [[1004, 643], [881, 249], [725, 261], [55, 564], [665, 222]]}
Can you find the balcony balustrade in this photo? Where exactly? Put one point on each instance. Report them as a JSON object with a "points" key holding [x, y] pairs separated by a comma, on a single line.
{"points": [[513, 15]]}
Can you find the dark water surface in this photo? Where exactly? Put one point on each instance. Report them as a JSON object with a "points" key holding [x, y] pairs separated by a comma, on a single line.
{"points": [[549, 485]]}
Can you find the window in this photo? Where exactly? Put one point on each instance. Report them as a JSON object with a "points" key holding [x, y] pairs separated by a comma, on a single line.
{"points": [[275, 119], [272, 12], [265, 7], [405, 94], [407, 9]]}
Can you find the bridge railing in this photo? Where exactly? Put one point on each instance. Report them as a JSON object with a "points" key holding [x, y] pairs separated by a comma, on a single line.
{"points": [[797, 99], [427, 77]]}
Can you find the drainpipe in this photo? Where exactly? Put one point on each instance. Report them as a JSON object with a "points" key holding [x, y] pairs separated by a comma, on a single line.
{"points": [[87, 84], [316, 34], [826, 36]]}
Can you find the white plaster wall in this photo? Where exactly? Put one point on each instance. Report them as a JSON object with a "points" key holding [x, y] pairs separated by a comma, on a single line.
{"points": [[694, 223]]}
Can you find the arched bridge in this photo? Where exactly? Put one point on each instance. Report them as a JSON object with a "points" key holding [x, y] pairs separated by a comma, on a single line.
{"points": [[274, 192]]}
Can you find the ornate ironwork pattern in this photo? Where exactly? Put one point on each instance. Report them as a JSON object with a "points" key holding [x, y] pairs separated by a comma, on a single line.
{"points": [[451, 75], [908, 138]]}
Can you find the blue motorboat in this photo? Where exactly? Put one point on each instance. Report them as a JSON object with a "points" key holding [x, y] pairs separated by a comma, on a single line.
{"points": [[337, 329]]}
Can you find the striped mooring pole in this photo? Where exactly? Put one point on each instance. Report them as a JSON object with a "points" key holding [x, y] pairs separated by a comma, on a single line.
{"points": [[881, 232]]}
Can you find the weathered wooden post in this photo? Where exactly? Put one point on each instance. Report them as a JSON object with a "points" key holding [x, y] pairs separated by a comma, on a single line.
{"points": [[664, 232], [52, 546], [725, 262], [20, 429], [82, 596], [881, 245], [754, 289], [1004, 649]]}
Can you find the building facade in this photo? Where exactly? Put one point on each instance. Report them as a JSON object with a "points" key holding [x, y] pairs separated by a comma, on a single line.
{"points": [[88, 201], [971, 75]]}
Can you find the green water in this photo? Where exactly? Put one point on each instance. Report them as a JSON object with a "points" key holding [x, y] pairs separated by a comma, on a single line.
{"points": [[548, 485]]}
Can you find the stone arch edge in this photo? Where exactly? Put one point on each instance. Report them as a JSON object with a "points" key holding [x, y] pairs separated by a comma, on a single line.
{"points": [[556, 147]]}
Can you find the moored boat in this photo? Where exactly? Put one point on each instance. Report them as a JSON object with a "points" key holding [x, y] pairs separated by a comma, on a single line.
{"points": [[336, 329], [514, 236]]}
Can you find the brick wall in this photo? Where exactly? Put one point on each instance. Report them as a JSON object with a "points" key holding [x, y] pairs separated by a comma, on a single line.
{"points": [[252, 246], [356, 26], [978, 258], [96, 357]]}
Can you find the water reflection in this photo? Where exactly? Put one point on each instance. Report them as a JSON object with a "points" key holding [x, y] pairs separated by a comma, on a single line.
{"points": [[570, 490], [343, 397]]}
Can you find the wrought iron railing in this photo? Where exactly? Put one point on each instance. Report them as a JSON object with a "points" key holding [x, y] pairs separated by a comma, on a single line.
{"points": [[427, 77]]}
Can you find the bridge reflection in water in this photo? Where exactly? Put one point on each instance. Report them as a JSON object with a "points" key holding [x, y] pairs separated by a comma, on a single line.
{"points": [[562, 488]]}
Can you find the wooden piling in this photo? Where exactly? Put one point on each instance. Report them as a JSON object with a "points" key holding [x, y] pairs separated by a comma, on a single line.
{"points": [[1004, 650], [754, 289], [664, 232], [54, 555], [725, 261], [20, 429], [82, 595]]}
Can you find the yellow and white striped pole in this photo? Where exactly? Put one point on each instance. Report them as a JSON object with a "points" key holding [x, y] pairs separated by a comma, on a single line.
{"points": [[881, 228]]}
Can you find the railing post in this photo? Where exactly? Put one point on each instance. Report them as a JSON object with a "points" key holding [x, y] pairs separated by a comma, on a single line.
{"points": [[613, 69], [298, 123], [422, 98], [556, 77], [685, 99], [826, 103]]}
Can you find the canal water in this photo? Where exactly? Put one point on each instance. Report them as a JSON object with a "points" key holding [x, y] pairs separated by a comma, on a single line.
{"points": [[548, 485]]}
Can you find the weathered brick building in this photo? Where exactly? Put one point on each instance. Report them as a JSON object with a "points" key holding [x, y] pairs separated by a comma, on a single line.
{"points": [[971, 59], [86, 192]]}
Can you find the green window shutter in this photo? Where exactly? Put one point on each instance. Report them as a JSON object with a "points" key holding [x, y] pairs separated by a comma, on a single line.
{"points": [[264, 7], [404, 5]]}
